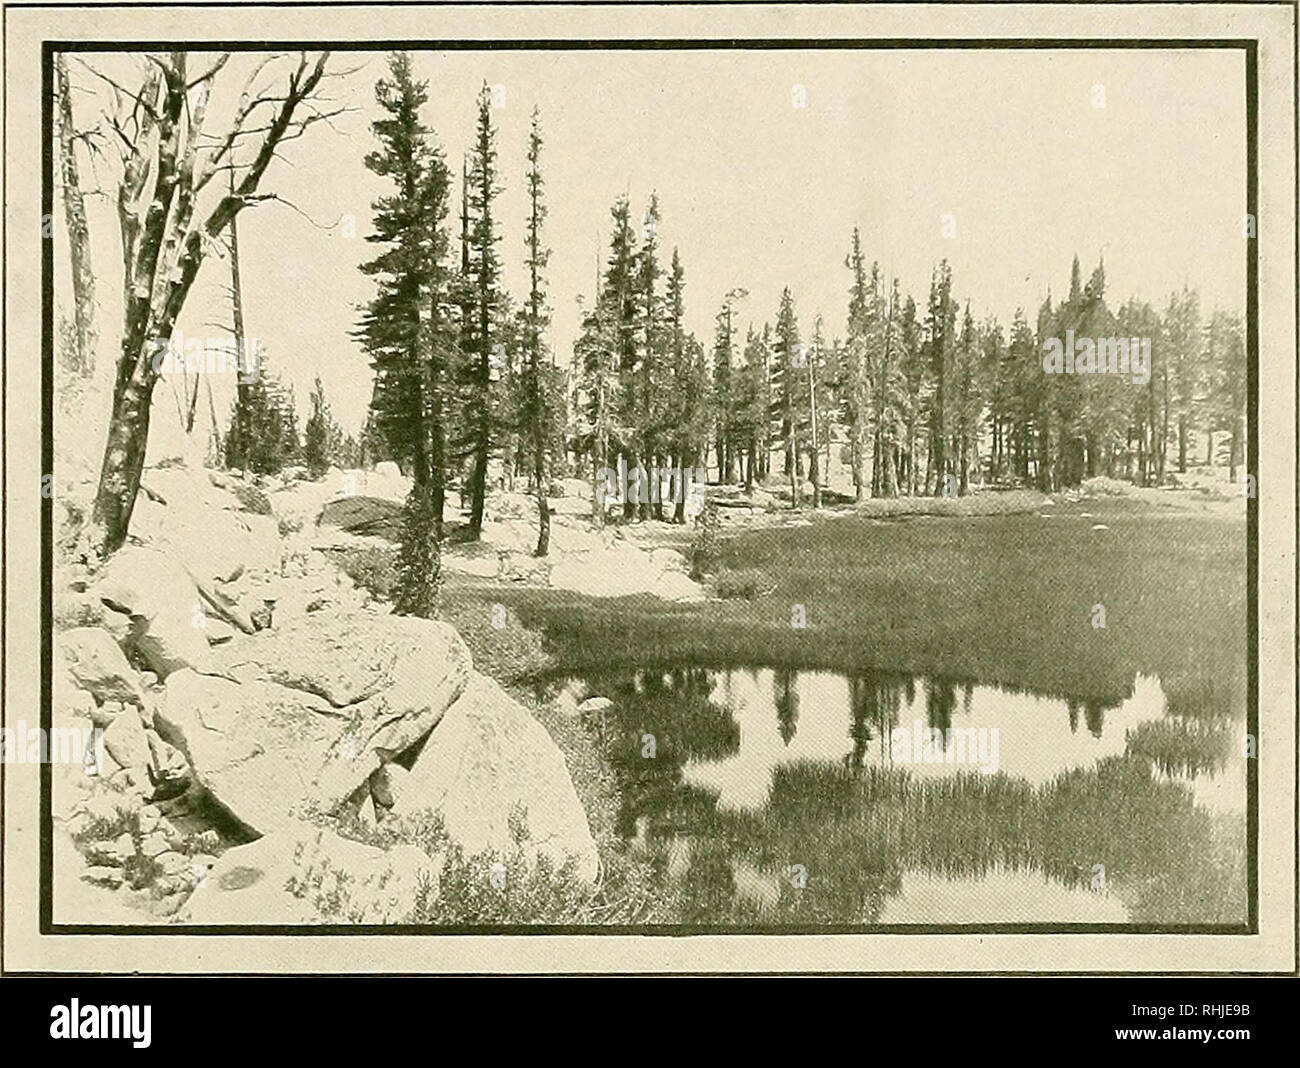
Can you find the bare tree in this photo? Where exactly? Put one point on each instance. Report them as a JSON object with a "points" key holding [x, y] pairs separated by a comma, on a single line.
{"points": [[74, 210], [167, 161]]}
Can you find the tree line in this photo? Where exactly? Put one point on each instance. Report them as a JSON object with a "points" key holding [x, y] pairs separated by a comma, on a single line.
{"points": [[917, 399]]}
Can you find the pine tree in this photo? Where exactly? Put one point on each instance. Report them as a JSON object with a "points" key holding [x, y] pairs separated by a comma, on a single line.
{"points": [[724, 401], [263, 435], [596, 359], [854, 389], [485, 284], [789, 391], [685, 404], [320, 435], [540, 387], [750, 404], [1226, 359], [648, 432], [940, 330], [406, 328], [620, 313], [1183, 340], [913, 369]]}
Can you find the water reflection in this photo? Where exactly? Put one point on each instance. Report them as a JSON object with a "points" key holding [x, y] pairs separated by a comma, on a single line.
{"points": [[917, 799]]}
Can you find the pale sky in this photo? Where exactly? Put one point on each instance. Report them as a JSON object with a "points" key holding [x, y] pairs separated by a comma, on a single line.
{"points": [[755, 192]]}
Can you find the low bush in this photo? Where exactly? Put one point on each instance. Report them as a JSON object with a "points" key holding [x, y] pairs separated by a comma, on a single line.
{"points": [[372, 567], [743, 584]]}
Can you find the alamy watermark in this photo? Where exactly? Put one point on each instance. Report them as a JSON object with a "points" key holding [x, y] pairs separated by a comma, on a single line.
{"points": [[920, 744], [23, 744], [1098, 356], [214, 355], [652, 485]]}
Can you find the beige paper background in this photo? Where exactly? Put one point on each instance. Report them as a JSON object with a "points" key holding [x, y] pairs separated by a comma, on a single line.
{"points": [[1273, 949]]}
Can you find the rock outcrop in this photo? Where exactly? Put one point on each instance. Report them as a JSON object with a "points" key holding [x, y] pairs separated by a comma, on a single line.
{"points": [[306, 874], [489, 765], [309, 711], [162, 604], [237, 672]]}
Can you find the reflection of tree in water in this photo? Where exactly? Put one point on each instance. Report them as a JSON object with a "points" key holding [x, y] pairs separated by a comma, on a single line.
{"points": [[785, 698], [940, 700], [874, 703], [856, 829], [674, 707], [1094, 715]]}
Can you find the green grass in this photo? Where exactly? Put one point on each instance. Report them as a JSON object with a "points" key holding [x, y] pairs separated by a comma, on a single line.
{"points": [[1005, 599]]}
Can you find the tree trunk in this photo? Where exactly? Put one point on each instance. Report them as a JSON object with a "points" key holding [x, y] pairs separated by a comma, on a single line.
{"points": [[543, 507], [212, 416], [74, 210]]}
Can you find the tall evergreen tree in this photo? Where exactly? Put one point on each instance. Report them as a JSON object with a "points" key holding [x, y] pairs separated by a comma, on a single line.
{"points": [[855, 386], [540, 390], [940, 326], [320, 437], [406, 328], [789, 391], [485, 285], [685, 392], [648, 432], [620, 313], [1183, 339]]}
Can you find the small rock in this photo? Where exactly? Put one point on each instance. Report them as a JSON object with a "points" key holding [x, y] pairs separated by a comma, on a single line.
{"points": [[386, 784], [595, 704], [171, 834], [130, 782], [207, 841], [124, 846], [149, 818], [173, 863], [104, 715], [153, 845], [126, 742], [218, 631], [177, 886]]}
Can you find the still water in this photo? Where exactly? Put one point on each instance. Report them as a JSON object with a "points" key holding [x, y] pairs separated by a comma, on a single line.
{"points": [[770, 796]]}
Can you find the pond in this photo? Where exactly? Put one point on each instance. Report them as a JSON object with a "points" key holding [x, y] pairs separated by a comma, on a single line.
{"points": [[770, 796]]}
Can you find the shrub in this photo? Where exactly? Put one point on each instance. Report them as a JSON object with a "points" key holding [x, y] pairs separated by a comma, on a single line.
{"points": [[745, 584], [289, 525], [251, 498], [705, 545], [372, 567]]}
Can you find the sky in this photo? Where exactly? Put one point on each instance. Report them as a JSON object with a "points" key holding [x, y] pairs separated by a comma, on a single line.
{"points": [[754, 191]]}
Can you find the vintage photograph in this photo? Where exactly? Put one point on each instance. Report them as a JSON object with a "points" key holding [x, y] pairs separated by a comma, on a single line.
{"points": [[648, 485]]}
